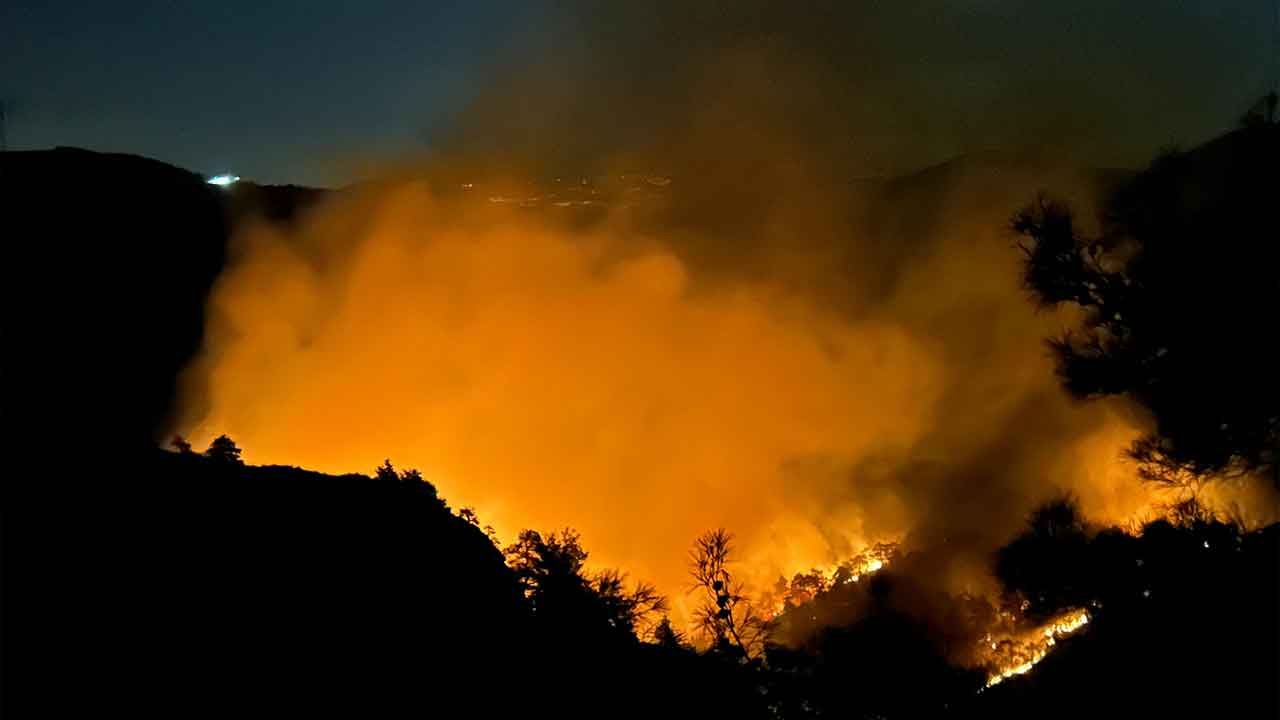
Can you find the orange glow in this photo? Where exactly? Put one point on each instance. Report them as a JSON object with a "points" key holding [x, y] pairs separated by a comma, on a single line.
{"points": [[818, 580], [644, 374], [1018, 656]]}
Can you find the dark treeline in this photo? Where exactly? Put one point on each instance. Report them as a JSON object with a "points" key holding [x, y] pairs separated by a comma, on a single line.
{"points": [[291, 591], [1179, 295], [276, 590], [152, 583], [1193, 596]]}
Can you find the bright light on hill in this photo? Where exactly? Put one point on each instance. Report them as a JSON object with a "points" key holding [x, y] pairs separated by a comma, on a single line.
{"points": [[223, 180]]}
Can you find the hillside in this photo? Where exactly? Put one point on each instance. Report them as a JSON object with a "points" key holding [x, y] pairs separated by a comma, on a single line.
{"points": [[203, 588], [212, 588], [111, 257], [163, 584]]}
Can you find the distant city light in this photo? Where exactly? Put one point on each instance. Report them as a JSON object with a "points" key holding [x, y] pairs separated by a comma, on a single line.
{"points": [[223, 180]]}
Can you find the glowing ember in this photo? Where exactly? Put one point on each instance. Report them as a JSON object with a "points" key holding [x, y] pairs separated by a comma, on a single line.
{"points": [[805, 587], [1021, 656]]}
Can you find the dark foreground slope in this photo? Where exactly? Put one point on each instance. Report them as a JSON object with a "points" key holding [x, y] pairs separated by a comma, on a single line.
{"points": [[152, 584], [1186, 623], [155, 584], [108, 260], [200, 588], [217, 589]]}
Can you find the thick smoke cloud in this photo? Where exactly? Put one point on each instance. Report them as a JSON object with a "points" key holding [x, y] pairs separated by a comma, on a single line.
{"points": [[641, 387], [734, 333], [873, 88]]}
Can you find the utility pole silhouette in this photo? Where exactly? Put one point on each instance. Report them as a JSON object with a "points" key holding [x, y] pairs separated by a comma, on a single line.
{"points": [[4, 136]]}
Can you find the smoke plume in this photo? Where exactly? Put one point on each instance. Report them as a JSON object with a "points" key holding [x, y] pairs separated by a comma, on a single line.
{"points": [[642, 292]]}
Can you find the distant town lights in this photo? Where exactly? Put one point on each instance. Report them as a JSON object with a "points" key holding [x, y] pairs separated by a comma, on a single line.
{"points": [[223, 180]]}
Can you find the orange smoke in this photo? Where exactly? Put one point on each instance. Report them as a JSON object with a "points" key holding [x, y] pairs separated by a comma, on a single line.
{"points": [[551, 374], [814, 364], [532, 376]]}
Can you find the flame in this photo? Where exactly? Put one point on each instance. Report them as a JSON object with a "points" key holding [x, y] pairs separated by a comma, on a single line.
{"points": [[807, 586], [736, 359], [1019, 656]]}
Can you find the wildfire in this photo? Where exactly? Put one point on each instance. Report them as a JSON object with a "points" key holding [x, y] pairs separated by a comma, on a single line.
{"points": [[868, 568], [580, 373], [805, 587], [1018, 657]]}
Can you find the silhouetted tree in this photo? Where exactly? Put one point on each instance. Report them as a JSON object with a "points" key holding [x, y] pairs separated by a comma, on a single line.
{"points": [[224, 450], [1047, 564], [180, 444], [411, 478], [804, 587], [1058, 519], [1187, 595], [882, 661], [632, 609], [727, 616], [551, 570], [666, 636], [536, 559], [1178, 291], [386, 472]]}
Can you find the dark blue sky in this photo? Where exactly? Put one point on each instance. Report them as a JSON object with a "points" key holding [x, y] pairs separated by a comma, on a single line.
{"points": [[277, 91], [306, 91]]}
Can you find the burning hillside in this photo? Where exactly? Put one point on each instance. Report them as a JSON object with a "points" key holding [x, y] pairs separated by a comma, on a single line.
{"points": [[1018, 654], [637, 374], [805, 587], [698, 320], [745, 359], [587, 371], [1004, 641]]}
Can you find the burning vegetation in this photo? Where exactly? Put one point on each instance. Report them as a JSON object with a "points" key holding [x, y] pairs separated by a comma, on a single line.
{"points": [[715, 328], [926, 568], [805, 587], [689, 317], [587, 366], [1016, 654]]}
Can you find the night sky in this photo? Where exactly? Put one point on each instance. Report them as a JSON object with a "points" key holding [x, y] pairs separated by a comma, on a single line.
{"points": [[314, 92]]}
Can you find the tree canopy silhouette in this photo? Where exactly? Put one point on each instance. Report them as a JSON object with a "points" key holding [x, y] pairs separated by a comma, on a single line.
{"points": [[1048, 562], [1190, 595], [564, 595], [727, 615], [411, 478], [224, 450], [1178, 292]]}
